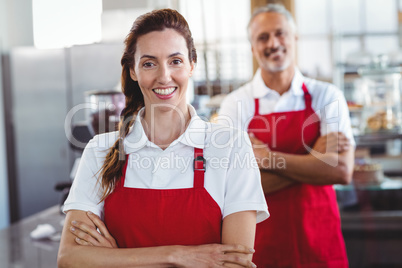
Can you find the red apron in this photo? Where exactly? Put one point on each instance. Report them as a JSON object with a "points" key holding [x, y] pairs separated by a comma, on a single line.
{"points": [[304, 227], [150, 217]]}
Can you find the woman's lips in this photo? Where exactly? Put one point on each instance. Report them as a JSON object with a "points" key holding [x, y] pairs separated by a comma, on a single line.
{"points": [[164, 93]]}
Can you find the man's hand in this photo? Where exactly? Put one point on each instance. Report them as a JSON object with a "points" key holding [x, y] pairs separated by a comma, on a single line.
{"points": [[333, 142], [261, 151]]}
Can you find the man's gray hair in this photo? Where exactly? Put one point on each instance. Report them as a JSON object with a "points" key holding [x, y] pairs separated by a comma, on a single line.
{"points": [[274, 8]]}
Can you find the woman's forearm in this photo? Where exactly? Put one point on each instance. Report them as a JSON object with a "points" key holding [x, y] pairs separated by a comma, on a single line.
{"points": [[239, 228], [89, 256]]}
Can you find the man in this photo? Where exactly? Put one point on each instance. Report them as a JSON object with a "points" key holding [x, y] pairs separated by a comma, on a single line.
{"points": [[303, 143]]}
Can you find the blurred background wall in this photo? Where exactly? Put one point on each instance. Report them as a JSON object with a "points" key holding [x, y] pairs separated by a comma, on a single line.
{"points": [[15, 30]]}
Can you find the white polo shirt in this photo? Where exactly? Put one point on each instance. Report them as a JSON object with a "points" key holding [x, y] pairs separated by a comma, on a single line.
{"points": [[329, 103], [232, 177]]}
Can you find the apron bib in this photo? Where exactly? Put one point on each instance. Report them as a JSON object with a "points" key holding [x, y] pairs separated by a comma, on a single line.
{"points": [[304, 227], [152, 217]]}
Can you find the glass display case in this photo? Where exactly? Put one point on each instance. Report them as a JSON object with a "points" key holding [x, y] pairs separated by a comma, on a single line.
{"points": [[379, 87]]}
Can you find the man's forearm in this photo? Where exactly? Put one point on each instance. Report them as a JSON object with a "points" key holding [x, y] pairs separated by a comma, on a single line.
{"points": [[329, 168], [272, 182]]}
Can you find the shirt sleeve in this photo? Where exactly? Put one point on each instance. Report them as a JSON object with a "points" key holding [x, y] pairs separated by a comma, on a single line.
{"points": [[243, 190], [228, 114], [236, 110], [335, 114], [85, 193]]}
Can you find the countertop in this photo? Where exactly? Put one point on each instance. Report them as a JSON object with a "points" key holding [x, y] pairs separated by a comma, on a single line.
{"points": [[373, 238], [17, 249]]}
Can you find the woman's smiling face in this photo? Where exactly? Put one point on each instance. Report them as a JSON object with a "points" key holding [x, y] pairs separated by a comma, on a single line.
{"points": [[162, 68]]}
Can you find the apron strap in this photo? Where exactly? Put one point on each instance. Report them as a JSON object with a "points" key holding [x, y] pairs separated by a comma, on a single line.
{"points": [[257, 106], [307, 96], [120, 183], [199, 168]]}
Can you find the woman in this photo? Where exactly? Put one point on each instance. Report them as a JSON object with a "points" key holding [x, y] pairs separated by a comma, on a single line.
{"points": [[167, 184]]}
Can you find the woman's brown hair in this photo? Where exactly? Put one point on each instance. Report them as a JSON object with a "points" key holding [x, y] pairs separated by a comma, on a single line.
{"points": [[157, 20]]}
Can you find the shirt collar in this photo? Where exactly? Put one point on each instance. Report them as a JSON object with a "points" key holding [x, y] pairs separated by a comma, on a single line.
{"points": [[260, 90], [193, 136], [297, 83]]}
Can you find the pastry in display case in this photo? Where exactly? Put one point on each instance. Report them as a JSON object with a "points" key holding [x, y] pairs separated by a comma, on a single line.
{"points": [[367, 173], [382, 120]]}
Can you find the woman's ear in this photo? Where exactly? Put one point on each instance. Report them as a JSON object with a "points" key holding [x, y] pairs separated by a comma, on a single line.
{"points": [[132, 74], [191, 68]]}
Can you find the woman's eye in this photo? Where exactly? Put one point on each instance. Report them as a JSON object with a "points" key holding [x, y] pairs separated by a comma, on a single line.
{"points": [[147, 64], [177, 61]]}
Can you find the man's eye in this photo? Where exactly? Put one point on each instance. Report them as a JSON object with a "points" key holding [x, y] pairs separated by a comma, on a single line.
{"points": [[280, 33], [263, 37]]}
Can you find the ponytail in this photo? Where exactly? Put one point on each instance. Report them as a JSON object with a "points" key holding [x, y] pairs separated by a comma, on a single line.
{"points": [[112, 168]]}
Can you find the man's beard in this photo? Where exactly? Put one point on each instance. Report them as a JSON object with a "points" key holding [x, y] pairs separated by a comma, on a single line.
{"points": [[271, 65]]}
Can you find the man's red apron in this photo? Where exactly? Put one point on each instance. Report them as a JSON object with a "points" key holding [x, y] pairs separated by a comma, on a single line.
{"points": [[149, 217], [304, 227]]}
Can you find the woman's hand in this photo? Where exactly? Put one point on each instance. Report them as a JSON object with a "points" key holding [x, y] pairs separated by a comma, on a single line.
{"points": [[212, 255], [89, 236]]}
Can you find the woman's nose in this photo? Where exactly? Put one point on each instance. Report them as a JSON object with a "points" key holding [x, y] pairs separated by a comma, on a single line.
{"points": [[164, 75]]}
